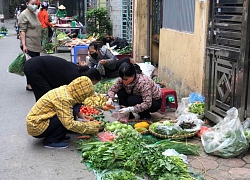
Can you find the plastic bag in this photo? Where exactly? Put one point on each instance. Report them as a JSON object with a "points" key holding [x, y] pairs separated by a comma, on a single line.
{"points": [[196, 97], [226, 139], [203, 130], [120, 117], [167, 130], [100, 68], [147, 69], [173, 152], [190, 118], [17, 65], [183, 107], [105, 136], [246, 123]]}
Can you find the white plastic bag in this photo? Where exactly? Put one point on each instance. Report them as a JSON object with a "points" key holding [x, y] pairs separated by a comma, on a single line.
{"points": [[183, 107], [226, 139], [190, 118], [147, 69]]}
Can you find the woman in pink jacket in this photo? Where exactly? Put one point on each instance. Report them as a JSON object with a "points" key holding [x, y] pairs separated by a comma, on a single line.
{"points": [[137, 92]]}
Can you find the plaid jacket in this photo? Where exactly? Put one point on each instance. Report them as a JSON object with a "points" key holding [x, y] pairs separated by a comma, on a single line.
{"points": [[60, 102]]}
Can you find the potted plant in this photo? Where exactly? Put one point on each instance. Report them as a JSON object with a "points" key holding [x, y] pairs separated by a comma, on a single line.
{"points": [[98, 22]]}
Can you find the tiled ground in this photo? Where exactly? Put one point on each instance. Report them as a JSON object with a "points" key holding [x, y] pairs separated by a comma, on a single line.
{"points": [[214, 168]]}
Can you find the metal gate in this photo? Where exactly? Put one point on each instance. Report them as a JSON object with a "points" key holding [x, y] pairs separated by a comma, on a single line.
{"points": [[127, 18], [227, 64]]}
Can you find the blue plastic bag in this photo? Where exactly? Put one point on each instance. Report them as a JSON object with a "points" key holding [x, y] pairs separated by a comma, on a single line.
{"points": [[196, 97]]}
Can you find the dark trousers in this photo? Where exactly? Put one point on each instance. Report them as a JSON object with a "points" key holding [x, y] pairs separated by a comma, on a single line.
{"points": [[56, 132], [127, 100], [36, 79], [31, 54], [114, 73]]}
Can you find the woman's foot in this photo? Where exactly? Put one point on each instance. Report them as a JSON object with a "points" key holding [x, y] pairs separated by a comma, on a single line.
{"points": [[146, 116], [59, 145], [28, 88]]}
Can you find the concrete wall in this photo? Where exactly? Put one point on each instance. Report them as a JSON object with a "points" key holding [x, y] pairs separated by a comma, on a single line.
{"points": [[139, 29], [182, 55], [115, 16]]}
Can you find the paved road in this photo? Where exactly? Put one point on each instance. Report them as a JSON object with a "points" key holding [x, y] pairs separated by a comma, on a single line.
{"points": [[22, 156]]}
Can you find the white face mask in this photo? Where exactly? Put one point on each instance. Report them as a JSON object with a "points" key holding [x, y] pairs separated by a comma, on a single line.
{"points": [[32, 8]]}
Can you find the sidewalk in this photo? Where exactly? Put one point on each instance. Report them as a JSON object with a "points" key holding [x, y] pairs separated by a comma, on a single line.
{"points": [[214, 168]]}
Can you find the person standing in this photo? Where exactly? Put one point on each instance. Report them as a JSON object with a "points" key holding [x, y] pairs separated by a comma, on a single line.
{"points": [[30, 31], [61, 12], [43, 17]]}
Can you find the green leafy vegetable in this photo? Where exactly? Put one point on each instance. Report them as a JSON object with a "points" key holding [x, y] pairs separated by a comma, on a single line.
{"points": [[197, 108], [126, 50], [132, 154]]}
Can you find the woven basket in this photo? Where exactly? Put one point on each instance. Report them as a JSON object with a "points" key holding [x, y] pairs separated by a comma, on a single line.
{"points": [[177, 136], [140, 120]]}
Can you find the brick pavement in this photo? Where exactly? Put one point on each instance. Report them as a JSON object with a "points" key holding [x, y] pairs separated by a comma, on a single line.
{"points": [[212, 167]]}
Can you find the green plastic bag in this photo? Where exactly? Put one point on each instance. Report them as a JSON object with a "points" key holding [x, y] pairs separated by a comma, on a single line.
{"points": [[17, 65]]}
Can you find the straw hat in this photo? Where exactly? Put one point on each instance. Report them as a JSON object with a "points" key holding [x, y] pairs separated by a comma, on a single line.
{"points": [[62, 7]]}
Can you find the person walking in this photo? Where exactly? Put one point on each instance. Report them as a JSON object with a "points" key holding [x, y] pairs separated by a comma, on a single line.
{"points": [[53, 114], [43, 17], [45, 73], [30, 31]]}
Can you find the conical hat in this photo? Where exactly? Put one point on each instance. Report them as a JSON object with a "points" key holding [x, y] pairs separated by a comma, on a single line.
{"points": [[61, 7]]}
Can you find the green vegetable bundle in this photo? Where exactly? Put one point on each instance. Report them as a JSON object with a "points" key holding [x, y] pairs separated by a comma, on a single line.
{"points": [[17, 65], [197, 108], [119, 175], [126, 50], [103, 87], [132, 154]]}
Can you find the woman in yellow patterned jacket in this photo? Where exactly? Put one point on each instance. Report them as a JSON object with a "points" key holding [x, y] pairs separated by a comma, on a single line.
{"points": [[53, 114]]}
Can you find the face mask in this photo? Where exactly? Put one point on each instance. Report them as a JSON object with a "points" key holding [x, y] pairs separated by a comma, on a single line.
{"points": [[128, 81], [32, 8], [94, 55]]}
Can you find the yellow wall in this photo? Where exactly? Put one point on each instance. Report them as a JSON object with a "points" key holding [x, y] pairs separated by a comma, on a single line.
{"points": [[182, 55], [139, 29]]}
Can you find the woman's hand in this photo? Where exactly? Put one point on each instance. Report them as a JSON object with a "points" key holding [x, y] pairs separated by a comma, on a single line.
{"points": [[102, 62], [25, 50]]}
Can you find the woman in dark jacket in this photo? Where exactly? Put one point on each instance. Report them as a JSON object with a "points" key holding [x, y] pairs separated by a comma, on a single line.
{"points": [[48, 72]]}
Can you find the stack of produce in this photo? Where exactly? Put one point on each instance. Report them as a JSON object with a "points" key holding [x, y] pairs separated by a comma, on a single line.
{"points": [[120, 129], [136, 158], [102, 87], [172, 129], [141, 127], [197, 108], [97, 100]]}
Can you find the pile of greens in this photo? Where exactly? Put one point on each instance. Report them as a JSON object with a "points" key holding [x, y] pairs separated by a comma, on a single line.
{"points": [[119, 175], [197, 108], [49, 48], [103, 86], [133, 155], [126, 50]]}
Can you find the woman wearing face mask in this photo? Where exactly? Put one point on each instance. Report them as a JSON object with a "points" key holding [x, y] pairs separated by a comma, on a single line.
{"points": [[30, 31], [104, 57], [137, 92]]}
